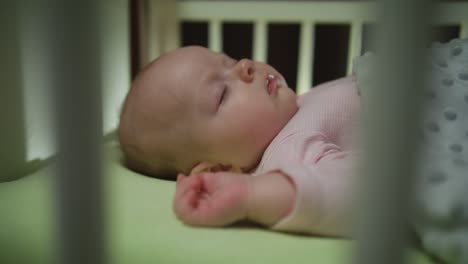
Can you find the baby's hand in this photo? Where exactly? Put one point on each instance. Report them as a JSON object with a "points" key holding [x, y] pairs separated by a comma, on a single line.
{"points": [[211, 199]]}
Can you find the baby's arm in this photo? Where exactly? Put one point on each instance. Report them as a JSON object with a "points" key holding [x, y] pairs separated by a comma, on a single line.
{"points": [[271, 198], [222, 198]]}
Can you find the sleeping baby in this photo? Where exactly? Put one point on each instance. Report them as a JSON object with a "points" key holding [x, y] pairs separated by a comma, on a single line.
{"points": [[241, 144]]}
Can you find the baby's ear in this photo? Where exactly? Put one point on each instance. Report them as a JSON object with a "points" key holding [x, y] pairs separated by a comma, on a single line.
{"points": [[207, 166]]}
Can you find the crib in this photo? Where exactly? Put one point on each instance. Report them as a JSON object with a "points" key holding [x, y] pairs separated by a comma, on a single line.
{"points": [[306, 14], [97, 211]]}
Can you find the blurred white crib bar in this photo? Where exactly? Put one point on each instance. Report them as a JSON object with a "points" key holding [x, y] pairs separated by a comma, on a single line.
{"points": [[305, 13]]}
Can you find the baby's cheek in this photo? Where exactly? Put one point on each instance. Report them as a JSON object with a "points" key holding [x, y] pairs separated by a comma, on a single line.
{"points": [[255, 123], [262, 131]]}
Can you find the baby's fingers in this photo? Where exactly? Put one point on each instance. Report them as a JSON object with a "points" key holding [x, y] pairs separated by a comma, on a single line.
{"points": [[180, 177], [183, 204], [187, 190], [189, 208], [192, 210], [185, 183]]}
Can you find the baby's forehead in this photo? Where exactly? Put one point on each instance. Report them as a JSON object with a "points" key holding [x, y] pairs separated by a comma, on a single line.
{"points": [[186, 66], [199, 51], [169, 78], [194, 56], [181, 59], [175, 76]]}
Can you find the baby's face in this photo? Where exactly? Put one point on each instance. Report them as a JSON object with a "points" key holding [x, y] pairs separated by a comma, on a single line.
{"points": [[234, 108]]}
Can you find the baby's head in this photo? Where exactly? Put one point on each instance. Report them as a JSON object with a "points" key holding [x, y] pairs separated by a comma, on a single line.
{"points": [[193, 109]]}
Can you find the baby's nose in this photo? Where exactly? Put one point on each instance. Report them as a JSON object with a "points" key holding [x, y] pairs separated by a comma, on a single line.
{"points": [[246, 70]]}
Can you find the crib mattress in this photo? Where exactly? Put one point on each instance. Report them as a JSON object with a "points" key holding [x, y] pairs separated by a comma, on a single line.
{"points": [[141, 227]]}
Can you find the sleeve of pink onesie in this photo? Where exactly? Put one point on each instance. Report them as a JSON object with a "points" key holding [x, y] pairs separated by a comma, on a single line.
{"points": [[323, 177]]}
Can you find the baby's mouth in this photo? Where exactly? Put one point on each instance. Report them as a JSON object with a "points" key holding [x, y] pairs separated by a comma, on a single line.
{"points": [[271, 84]]}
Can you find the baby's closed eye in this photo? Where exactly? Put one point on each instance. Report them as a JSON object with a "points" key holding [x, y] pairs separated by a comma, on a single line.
{"points": [[224, 94]]}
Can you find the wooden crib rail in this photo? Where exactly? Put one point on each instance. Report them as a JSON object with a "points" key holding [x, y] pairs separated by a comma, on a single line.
{"points": [[260, 13], [307, 14]]}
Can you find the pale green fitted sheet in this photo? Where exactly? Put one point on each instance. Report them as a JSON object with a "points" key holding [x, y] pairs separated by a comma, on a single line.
{"points": [[143, 229]]}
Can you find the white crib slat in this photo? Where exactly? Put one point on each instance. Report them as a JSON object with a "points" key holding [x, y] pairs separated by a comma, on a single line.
{"points": [[260, 41], [306, 48], [215, 37], [355, 43], [464, 29]]}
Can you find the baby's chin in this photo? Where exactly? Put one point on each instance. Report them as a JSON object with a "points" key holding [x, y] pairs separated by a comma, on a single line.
{"points": [[291, 104], [253, 166]]}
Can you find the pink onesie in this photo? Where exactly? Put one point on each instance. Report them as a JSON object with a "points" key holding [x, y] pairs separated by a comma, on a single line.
{"points": [[318, 149]]}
